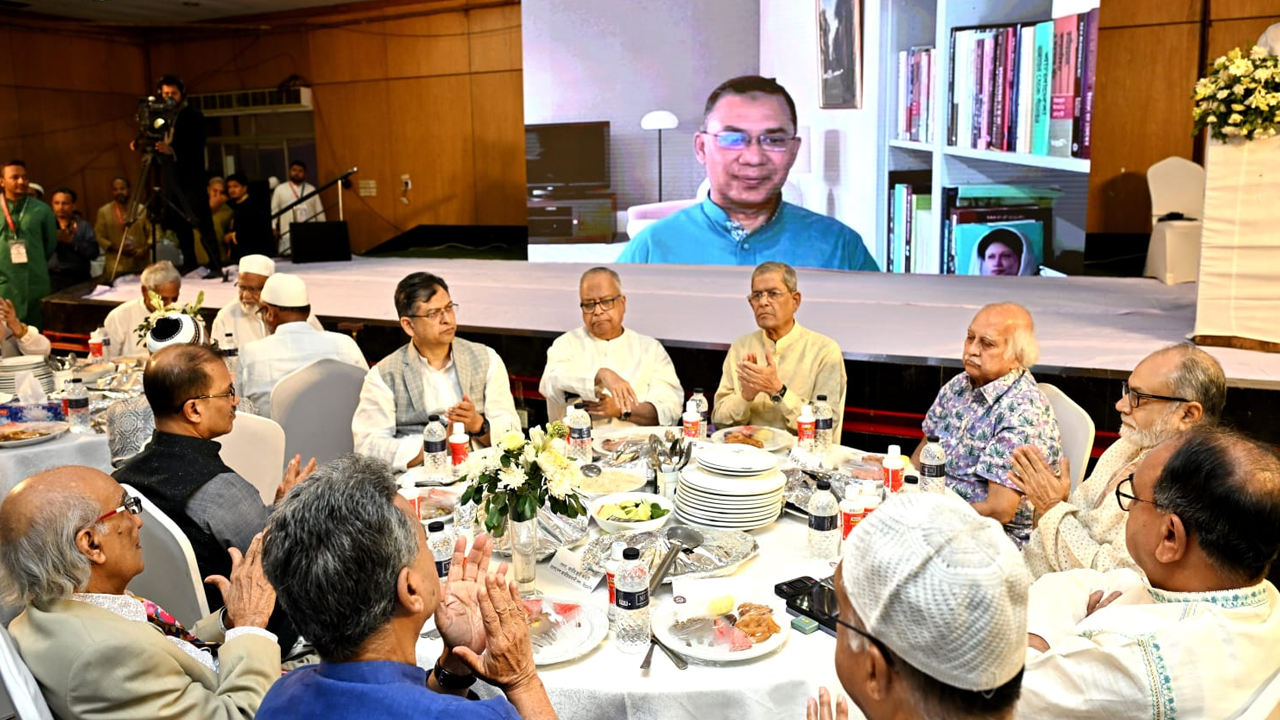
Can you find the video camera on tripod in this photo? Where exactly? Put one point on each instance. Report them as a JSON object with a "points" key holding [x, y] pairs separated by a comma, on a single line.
{"points": [[155, 118]]}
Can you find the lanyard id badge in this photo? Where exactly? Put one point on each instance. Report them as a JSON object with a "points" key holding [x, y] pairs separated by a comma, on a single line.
{"points": [[18, 252]]}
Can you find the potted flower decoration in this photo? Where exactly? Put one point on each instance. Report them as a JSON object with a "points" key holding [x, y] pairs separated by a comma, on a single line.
{"points": [[1240, 98], [517, 479], [161, 309]]}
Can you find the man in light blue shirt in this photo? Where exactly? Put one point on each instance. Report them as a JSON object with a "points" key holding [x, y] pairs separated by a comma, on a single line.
{"points": [[748, 146]]}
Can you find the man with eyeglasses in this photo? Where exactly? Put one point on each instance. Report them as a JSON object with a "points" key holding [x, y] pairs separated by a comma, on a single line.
{"points": [[292, 343], [240, 317], [435, 373], [1198, 637], [770, 374], [194, 402], [748, 144], [932, 615], [161, 279], [624, 377], [1171, 391], [69, 547]]}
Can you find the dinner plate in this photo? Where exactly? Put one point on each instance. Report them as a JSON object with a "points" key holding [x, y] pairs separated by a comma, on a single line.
{"points": [[734, 458], [688, 504], [776, 438], [667, 614], [684, 492], [575, 636], [639, 433], [52, 429], [733, 486], [722, 524], [718, 518]]}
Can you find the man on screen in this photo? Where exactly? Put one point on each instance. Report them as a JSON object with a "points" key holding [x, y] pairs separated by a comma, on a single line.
{"points": [[748, 144]]}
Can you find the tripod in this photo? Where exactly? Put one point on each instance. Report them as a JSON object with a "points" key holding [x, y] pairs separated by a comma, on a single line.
{"points": [[154, 198]]}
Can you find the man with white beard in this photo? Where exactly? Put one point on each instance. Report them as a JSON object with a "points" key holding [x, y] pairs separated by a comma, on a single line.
{"points": [[1168, 393], [240, 317]]}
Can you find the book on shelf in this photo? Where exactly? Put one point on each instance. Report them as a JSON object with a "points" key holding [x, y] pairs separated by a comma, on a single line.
{"points": [[1023, 87], [908, 198], [915, 110], [972, 215]]}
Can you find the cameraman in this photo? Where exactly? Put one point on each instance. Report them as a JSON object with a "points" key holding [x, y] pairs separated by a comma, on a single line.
{"points": [[181, 154]]}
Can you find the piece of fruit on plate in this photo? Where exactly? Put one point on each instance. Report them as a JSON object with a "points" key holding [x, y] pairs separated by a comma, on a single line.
{"points": [[558, 613]]}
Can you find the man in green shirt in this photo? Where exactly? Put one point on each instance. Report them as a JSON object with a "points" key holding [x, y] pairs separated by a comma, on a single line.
{"points": [[28, 237]]}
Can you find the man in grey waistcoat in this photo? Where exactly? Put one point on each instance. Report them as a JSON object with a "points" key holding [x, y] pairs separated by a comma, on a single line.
{"points": [[434, 374]]}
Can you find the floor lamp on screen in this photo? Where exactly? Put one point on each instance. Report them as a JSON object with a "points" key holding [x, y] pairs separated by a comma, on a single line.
{"points": [[659, 120]]}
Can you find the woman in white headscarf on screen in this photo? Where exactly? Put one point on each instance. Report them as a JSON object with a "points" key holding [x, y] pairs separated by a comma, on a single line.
{"points": [[1004, 251]]}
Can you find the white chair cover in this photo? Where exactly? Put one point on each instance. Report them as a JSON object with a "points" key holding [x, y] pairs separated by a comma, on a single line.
{"points": [[1173, 253], [255, 450], [1077, 430], [171, 578], [19, 690], [315, 404]]}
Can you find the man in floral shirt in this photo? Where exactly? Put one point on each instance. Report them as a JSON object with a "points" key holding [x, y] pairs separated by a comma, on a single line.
{"points": [[995, 406]]}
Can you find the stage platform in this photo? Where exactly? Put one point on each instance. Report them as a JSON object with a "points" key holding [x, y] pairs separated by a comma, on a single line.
{"points": [[1086, 326]]}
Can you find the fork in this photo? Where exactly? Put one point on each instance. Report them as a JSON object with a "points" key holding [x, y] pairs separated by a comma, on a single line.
{"points": [[542, 634]]}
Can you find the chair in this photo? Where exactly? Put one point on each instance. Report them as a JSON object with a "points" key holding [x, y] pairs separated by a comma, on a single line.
{"points": [[171, 578], [255, 450], [315, 404], [1076, 427], [1173, 254], [19, 689]]}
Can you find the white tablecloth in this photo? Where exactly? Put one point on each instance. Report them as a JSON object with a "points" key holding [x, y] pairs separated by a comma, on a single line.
{"points": [[607, 683], [19, 463]]}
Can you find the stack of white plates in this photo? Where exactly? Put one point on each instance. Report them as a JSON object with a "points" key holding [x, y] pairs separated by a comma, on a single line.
{"points": [[736, 460], [12, 367], [734, 502]]}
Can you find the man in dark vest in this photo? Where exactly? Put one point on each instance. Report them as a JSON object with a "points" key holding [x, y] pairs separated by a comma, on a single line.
{"points": [[191, 394], [434, 374]]}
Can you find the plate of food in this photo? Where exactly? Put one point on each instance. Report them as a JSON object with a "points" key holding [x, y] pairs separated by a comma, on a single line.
{"points": [[609, 482], [562, 630], [723, 630], [630, 512], [766, 438], [608, 441], [19, 434]]}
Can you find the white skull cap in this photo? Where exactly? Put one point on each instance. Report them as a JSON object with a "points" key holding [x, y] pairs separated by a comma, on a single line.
{"points": [[258, 265], [174, 329], [943, 587], [286, 291]]}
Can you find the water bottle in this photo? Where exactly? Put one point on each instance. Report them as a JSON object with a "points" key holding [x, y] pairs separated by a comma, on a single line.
{"points": [[823, 427], [441, 545], [631, 590], [611, 576], [806, 426], [933, 464], [78, 406], [704, 409], [435, 452], [824, 523], [230, 355], [579, 423]]}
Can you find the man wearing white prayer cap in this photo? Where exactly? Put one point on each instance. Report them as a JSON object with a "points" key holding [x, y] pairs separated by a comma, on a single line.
{"points": [[240, 316], [284, 307], [932, 614]]}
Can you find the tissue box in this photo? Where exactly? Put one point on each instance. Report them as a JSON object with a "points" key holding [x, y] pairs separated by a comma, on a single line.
{"points": [[42, 412]]}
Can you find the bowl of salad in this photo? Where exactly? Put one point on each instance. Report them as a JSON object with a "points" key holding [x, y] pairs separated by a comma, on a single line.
{"points": [[630, 512]]}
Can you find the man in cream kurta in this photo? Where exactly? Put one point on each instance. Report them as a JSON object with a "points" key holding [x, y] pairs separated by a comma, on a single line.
{"points": [[769, 374], [122, 322], [1199, 639], [625, 378], [240, 317], [1086, 528], [434, 374]]}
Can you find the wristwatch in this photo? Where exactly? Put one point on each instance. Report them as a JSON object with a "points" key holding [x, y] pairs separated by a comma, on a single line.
{"points": [[777, 397], [449, 681], [484, 426], [625, 416]]}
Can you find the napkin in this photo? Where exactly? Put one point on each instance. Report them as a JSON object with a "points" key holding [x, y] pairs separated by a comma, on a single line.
{"points": [[30, 392]]}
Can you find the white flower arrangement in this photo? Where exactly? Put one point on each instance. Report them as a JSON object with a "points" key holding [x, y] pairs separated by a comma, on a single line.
{"points": [[523, 476], [161, 309], [1240, 98]]}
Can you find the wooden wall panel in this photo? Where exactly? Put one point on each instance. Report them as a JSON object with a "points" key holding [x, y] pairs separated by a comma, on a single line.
{"points": [[1126, 13], [1228, 9], [351, 130], [349, 54], [7, 69], [495, 39], [432, 116], [497, 124], [429, 45], [226, 63], [1142, 115], [1227, 34]]}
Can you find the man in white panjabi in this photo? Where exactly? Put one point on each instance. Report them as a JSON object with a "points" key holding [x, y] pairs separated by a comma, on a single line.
{"points": [[292, 344], [625, 378], [240, 317], [17, 337], [1168, 393], [1198, 638], [287, 193], [435, 373], [769, 374], [122, 322]]}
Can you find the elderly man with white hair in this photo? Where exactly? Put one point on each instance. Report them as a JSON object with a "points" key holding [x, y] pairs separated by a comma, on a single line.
{"points": [[122, 323], [932, 615], [989, 410], [239, 318], [284, 308]]}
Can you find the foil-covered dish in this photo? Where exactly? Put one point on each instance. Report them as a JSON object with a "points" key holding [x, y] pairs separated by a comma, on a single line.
{"points": [[720, 554], [554, 532], [801, 482]]}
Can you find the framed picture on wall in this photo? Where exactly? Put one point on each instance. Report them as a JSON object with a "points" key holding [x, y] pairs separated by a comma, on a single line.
{"points": [[840, 53]]}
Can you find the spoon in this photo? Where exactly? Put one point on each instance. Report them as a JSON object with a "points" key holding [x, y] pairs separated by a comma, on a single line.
{"points": [[590, 470], [676, 657], [648, 657], [680, 537]]}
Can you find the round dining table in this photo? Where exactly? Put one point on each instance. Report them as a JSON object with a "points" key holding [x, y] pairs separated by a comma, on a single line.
{"points": [[19, 463]]}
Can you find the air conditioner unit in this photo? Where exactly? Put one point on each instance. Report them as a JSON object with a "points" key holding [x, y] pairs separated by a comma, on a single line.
{"points": [[254, 102]]}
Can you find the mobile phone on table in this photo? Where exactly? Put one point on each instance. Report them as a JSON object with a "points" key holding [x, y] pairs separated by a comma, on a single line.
{"points": [[814, 599]]}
